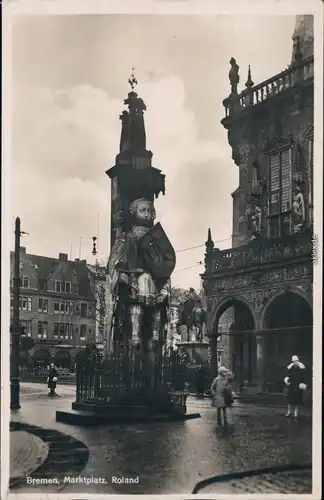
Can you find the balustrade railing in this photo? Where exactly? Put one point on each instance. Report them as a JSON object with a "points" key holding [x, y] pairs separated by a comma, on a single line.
{"points": [[260, 251], [273, 86]]}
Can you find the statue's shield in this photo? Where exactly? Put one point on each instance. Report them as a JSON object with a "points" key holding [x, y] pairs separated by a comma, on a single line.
{"points": [[157, 252]]}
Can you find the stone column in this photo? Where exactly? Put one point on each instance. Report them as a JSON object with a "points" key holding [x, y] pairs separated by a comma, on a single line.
{"points": [[213, 355], [260, 362]]}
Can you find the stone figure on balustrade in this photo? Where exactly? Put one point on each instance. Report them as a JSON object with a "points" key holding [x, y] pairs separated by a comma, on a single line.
{"points": [[254, 215], [234, 75], [138, 283], [298, 211]]}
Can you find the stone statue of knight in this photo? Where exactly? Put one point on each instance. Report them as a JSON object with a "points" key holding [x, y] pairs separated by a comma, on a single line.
{"points": [[139, 270], [142, 258]]}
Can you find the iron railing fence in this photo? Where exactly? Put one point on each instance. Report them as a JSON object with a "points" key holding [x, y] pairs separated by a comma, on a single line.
{"points": [[108, 380]]}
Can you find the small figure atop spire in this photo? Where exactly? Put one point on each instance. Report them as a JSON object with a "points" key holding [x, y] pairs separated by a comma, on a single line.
{"points": [[234, 75], [132, 80], [249, 83]]}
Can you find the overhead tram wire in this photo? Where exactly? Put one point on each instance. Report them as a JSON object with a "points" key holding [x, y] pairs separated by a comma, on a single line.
{"points": [[187, 249], [189, 267]]}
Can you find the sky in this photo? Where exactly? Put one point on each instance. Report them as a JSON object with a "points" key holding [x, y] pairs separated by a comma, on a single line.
{"points": [[70, 78]]}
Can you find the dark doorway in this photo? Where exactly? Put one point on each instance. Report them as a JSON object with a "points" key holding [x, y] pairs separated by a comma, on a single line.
{"points": [[290, 318]]}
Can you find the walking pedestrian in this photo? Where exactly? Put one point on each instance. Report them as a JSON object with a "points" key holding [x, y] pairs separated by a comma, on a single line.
{"points": [[296, 385], [52, 379], [221, 394]]}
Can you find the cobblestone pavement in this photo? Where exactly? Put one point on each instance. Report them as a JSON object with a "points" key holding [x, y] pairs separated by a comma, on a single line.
{"points": [[173, 457], [27, 453]]}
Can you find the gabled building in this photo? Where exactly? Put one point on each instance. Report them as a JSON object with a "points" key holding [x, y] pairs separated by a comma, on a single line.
{"points": [[265, 280], [57, 307]]}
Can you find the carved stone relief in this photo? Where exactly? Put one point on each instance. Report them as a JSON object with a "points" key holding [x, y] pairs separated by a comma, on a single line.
{"points": [[258, 298], [277, 275], [259, 278], [306, 288]]}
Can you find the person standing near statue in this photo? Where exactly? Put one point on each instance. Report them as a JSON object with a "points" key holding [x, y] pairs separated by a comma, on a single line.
{"points": [[52, 379], [296, 385]]}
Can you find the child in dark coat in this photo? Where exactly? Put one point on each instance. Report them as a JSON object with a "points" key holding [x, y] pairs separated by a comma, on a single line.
{"points": [[219, 387]]}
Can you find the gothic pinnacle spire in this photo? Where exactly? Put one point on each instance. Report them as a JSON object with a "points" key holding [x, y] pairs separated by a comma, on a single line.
{"points": [[249, 83], [209, 243]]}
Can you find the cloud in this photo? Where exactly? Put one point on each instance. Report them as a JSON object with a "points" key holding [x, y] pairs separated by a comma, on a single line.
{"points": [[64, 140]]}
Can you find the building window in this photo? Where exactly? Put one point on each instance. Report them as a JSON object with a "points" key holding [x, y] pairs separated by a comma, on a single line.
{"points": [[280, 193], [27, 325], [63, 286], [24, 282], [63, 307], [56, 329], [63, 331], [310, 179], [43, 305], [25, 303], [84, 310], [42, 329], [83, 332]]}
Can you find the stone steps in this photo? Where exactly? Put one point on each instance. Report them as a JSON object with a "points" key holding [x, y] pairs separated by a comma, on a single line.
{"points": [[88, 419], [66, 456]]}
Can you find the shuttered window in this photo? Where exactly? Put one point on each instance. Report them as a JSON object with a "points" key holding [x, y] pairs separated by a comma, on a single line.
{"points": [[280, 193]]}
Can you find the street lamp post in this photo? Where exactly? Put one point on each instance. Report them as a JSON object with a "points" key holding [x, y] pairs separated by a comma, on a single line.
{"points": [[15, 326]]}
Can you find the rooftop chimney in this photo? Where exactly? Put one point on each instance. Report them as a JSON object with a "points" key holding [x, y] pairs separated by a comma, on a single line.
{"points": [[63, 257]]}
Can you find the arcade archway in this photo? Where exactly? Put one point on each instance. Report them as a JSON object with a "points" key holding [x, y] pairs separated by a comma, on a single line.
{"points": [[80, 357], [62, 359], [287, 322], [41, 359], [235, 323]]}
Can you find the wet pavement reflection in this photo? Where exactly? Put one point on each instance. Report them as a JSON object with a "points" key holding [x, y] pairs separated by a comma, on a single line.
{"points": [[173, 457]]}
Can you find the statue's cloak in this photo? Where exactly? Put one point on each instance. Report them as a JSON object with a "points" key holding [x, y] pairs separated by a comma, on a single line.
{"points": [[152, 252], [157, 253]]}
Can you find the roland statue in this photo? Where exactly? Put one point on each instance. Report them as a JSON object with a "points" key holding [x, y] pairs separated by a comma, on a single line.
{"points": [[138, 283]]}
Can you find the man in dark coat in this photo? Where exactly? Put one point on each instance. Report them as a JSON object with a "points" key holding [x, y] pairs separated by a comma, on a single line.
{"points": [[296, 385], [52, 379]]}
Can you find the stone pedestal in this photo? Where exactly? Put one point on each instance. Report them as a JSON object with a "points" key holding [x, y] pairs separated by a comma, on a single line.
{"points": [[197, 351]]}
